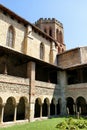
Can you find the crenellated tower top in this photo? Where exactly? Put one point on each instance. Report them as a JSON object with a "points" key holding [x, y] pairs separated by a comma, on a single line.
{"points": [[53, 28]]}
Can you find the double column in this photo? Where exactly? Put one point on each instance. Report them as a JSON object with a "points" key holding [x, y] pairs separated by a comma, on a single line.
{"points": [[2, 112]]}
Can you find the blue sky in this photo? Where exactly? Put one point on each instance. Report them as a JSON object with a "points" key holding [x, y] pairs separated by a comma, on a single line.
{"points": [[72, 13]]}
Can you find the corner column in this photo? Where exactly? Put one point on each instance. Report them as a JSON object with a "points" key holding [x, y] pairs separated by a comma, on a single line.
{"points": [[62, 80], [31, 76]]}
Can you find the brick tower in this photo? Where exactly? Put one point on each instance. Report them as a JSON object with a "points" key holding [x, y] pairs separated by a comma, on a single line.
{"points": [[54, 29]]}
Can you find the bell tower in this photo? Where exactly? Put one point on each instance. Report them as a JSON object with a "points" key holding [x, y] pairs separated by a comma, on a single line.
{"points": [[54, 29]]}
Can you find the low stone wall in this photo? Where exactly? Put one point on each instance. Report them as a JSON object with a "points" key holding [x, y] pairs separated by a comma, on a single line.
{"points": [[11, 86], [77, 90], [46, 89]]}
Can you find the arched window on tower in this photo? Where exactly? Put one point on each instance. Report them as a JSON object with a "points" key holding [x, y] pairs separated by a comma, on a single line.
{"points": [[42, 51], [10, 37], [57, 34], [50, 31], [60, 37], [45, 30]]}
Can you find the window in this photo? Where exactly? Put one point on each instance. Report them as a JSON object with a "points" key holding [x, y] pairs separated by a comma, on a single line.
{"points": [[50, 32], [45, 30], [10, 37], [42, 51], [57, 34], [60, 37]]}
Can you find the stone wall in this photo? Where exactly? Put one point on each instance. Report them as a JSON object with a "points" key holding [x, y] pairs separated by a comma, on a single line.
{"points": [[47, 90], [11, 86], [83, 51], [77, 90], [33, 47], [5, 22], [69, 58]]}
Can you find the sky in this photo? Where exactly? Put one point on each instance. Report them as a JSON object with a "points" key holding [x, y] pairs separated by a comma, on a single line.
{"points": [[71, 13]]}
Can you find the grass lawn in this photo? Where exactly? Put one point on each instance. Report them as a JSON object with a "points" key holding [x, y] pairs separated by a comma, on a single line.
{"points": [[49, 124]]}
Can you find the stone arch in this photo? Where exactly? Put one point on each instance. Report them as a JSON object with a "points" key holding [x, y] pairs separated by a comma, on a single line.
{"points": [[21, 108], [9, 109], [58, 106], [45, 107], [52, 107], [81, 105], [70, 105], [10, 36], [38, 104]]}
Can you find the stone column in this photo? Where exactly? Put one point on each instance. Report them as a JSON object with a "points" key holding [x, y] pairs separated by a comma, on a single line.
{"points": [[26, 111], [31, 75], [2, 113], [41, 110], [55, 109], [15, 112], [48, 110], [62, 80]]}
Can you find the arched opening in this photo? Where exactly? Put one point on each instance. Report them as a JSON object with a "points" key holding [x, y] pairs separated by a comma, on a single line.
{"points": [[52, 108], [21, 109], [37, 107], [45, 30], [57, 34], [50, 31], [81, 105], [9, 109], [60, 37], [70, 105], [10, 37], [58, 106], [59, 49], [42, 51], [45, 107], [62, 49]]}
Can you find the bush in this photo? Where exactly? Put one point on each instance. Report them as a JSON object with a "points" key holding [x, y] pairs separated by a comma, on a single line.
{"points": [[72, 124]]}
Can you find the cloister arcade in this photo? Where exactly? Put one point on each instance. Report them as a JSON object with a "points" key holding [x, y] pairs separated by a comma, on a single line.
{"points": [[77, 105], [47, 108], [12, 111]]}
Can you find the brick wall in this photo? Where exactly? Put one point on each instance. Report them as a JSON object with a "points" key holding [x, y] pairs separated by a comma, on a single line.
{"points": [[69, 58]]}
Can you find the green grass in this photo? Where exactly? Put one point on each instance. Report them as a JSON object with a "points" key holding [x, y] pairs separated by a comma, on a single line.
{"points": [[49, 124]]}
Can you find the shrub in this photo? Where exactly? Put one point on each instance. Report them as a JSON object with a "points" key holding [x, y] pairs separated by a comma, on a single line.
{"points": [[72, 124]]}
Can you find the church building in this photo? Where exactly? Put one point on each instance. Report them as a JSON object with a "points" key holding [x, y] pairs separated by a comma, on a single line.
{"points": [[39, 78]]}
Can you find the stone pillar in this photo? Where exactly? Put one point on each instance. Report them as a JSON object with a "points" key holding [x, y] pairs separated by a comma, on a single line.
{"points": [[41, 110], [26, 111], [62, 80], [55, 109], [2, 113], [48, 110], [15, 112], [31, 75]]}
